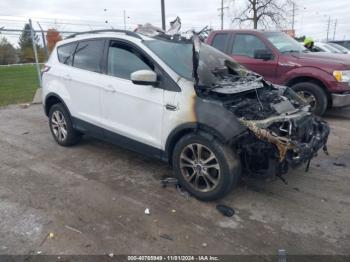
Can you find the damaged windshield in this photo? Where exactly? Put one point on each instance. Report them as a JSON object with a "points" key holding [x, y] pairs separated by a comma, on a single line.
{"points": [[214, 65], [177, 55], [200, 62]]}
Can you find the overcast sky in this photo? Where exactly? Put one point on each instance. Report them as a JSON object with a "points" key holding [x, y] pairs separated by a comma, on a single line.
{"points": [[311, 16]]}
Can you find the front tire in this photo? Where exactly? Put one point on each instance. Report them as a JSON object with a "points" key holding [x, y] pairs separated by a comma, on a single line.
{"points": [[313, 95], [205, 168], [61, 126]]}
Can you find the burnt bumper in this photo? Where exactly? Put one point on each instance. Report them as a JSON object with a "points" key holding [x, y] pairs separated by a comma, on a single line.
{"points": [[304, 151]]}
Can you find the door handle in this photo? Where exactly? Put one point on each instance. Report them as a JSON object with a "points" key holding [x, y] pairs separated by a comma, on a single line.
{"points": [[67, 77], [171, 107], [109, 88]]}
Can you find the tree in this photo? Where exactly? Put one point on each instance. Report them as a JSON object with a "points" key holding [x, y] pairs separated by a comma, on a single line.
{"points": [[8, 53], [264, 12], [52, 37], [26, 53]]}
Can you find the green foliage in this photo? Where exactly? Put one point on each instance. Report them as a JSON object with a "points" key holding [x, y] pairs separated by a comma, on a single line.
{"points": [[18, 84], [8, 53], [26, 53]]}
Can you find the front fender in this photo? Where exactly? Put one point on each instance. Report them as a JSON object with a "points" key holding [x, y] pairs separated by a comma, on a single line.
{"points": [[309, 72]]}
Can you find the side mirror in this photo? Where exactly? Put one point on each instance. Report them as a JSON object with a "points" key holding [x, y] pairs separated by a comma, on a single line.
{"points": [[144, 77], [263, 54]]}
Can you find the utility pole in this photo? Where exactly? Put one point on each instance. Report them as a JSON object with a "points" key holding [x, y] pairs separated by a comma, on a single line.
{"points": [[293, 16], [163, 14], [44, 42], [221, 9], [35, 51], [222, 14], [124, 19], [335, 28], [328, 26]]}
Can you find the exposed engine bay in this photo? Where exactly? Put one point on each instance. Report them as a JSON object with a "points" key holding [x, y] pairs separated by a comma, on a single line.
{"points": [[281, 132]]}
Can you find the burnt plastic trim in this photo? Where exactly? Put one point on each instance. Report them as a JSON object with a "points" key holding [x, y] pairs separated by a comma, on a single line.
{"points": [[116, 139]]}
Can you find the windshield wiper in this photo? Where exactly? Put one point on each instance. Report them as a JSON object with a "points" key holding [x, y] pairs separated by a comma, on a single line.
{"points": [[290, 51]]}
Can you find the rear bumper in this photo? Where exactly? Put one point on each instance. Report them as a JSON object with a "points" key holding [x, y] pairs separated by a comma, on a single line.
{"points": [[341, 100]]}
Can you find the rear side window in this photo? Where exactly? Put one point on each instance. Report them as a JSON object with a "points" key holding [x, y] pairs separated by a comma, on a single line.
{"points": [[65, 53], [123, 60], [219, 42], [88, 55]]}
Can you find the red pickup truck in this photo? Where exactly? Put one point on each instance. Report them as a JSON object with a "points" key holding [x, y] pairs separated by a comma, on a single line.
{"points": [[322, 79]]}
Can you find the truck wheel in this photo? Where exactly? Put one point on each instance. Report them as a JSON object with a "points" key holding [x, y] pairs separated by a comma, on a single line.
{"points": [[205, 168], [313, 95], [61, 126]]}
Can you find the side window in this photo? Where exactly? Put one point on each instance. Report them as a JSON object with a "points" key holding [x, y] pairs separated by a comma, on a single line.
{"points": [[65, 53], [88, 55], [246, 45], [219, 41], [123, 60]]}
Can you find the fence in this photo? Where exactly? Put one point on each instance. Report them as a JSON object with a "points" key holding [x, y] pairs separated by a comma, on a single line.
{"points": [[19, 82]]}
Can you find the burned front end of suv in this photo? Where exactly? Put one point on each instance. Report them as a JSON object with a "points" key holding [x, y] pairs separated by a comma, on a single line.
{"points": [[279, 132]]}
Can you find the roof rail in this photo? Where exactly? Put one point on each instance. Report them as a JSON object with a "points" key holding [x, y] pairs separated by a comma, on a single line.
{"points": [[130, 33]]}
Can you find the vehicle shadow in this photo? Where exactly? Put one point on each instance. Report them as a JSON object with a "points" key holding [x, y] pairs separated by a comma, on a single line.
{"points": [[338, 113]]}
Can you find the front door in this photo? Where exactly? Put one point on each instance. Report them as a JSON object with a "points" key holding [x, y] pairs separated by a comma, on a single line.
{"points": [[243, 49], [129, 110]]}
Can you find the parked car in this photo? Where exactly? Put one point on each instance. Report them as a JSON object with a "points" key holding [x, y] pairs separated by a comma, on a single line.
{"points": [[180, 101], [344, 43], [322, 79], [325, 47], [342, 49]]}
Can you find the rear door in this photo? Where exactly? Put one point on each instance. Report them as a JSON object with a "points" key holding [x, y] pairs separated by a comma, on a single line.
{"points": [[242, 49], [132, 111], [85, 80]]}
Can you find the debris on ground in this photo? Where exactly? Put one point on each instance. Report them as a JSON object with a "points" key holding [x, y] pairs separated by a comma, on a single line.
{"points": [[39, 252], [182, 192], [225, 210], [73, 229], [174, 181], [166, 237], [147, 211], [169, 181], [111, 255], [339, 164], [48, 236], [204, 244], [24, 106], [173, 211], [296, 189], [25, 133]]}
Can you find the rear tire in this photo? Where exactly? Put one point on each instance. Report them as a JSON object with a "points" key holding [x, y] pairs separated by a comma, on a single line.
{"points": [[314, 95], [206, 168], [61, 126]]}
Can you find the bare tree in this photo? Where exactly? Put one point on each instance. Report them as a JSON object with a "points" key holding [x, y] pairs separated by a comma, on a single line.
{"points": [[264, 12]]}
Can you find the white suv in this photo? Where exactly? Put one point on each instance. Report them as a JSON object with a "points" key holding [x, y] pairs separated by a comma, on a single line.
{"points": [[181, 101]]}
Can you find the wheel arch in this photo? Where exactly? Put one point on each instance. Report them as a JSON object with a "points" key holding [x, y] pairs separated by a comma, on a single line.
{"points": [[52, 99], [300, 79], [188, 128]]}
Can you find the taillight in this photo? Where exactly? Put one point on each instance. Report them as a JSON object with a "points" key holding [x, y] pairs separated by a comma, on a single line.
{"points": [[45, 69]]}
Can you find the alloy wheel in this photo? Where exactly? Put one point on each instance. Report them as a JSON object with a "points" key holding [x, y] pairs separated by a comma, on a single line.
{"points": [[309, 98], [200, 167], [59, 125]]}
